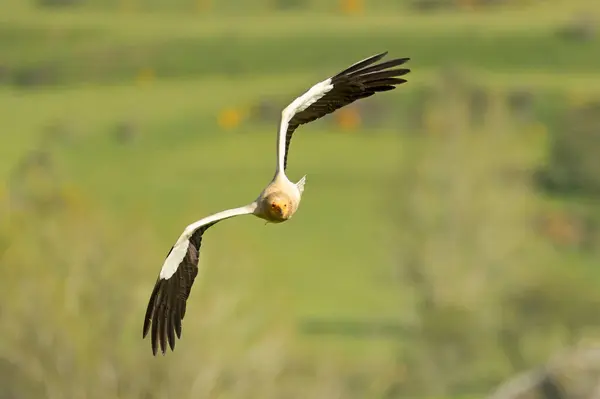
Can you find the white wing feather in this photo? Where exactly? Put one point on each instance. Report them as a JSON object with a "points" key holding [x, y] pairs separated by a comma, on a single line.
{"points": [[180, 248], [298, 105]]}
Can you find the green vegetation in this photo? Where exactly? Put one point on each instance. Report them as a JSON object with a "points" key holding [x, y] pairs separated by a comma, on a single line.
{"points": [[459, 217]]}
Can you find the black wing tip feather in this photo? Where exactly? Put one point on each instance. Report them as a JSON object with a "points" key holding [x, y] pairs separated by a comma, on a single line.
{"points": [[374, 76], [167, 304], [150, 308], [360, 80], [361, 64], [380, 77], [163, 320], [168, 301]]}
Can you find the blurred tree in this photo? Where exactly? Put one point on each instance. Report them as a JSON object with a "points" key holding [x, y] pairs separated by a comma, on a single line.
{"points": [[469, 258], [581, 28], [62, 322], [573, 165], [521, 105]]}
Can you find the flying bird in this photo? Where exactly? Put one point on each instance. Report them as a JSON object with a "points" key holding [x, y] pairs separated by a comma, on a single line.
{"points": [[278, 201]]}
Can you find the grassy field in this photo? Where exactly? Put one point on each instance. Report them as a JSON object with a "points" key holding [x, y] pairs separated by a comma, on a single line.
{"points": [[169, 75], [70, 47]]}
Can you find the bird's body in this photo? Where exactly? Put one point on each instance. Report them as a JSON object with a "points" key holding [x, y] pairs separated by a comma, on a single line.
{"points": [[277, 202]]}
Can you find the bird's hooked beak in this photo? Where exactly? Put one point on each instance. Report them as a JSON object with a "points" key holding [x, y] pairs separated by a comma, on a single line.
{"points": [[279, 209], [276, 207]]}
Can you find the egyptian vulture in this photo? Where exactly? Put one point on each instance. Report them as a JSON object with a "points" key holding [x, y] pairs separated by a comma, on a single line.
{"points": [[276, 203]]}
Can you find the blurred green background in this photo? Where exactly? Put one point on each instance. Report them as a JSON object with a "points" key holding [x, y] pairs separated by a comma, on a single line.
{"points": [[448, 234]]}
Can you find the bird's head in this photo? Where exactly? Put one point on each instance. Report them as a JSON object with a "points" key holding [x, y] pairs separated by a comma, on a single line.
{"points": [[279, 208]]}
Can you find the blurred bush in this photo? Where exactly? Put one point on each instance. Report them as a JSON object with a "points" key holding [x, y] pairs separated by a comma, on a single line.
{"points": [[573, 165], [521, 104], [59, 3], [126, 132], [34, 76], [486, 294], [581, 28], [290, 4]]}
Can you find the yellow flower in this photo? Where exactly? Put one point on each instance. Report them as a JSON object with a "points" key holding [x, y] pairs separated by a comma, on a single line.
{"points": [[230, 118], [348, 118], [352, 6]]}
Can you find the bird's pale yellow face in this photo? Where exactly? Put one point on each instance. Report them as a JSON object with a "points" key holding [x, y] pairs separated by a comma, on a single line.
{"points": [[279, 208]]}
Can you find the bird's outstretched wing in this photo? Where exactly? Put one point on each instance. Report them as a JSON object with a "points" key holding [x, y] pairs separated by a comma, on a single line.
{"points": [[167, 304], [357, 81]]}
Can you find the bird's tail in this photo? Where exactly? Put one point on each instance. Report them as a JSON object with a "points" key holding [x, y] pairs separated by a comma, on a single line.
{"points": [[301, 183]]}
